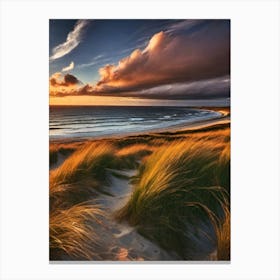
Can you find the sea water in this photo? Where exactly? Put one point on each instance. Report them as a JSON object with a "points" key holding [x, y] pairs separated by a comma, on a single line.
{"points": [[96, 121]]}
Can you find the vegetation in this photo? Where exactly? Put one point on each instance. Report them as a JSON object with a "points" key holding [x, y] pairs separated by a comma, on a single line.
{"points": [[183, 184], [223, 236], [89, 162], [64, 149], [73, 232], [173, 180], [75, 221]]}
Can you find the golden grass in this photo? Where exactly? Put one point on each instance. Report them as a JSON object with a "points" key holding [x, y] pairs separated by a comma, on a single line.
{"points": [[65, 146], [223, 237], [194, 171], [177, 172], [91, 160], [136, 149], [62, 148], [73, 232], [81, 176], [129, 157], [73, 222]]}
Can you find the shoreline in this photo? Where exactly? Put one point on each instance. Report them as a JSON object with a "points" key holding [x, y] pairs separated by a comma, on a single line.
{"points": [[224, 119]]}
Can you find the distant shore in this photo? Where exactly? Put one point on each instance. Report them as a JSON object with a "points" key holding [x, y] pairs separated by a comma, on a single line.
{"points": [[224, 119]]}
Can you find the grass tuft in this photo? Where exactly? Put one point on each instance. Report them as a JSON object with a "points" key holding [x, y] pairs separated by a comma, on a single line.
{"points": [[192, 171], [73, 232], [223, 236], [90, 162], [64, 149]]}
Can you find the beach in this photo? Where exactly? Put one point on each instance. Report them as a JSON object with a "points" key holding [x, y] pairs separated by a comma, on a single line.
{"points": [[123, 189], [92, 122]]}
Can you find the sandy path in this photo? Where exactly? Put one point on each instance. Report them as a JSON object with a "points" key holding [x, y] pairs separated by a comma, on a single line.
{"points": [[122, 242], [128, 244]]}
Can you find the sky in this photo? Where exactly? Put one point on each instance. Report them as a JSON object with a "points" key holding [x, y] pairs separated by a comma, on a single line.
{"points": [[146, 62]]}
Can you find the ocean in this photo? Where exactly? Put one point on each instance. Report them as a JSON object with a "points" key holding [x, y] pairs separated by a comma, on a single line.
{"points": [[95, 121]]}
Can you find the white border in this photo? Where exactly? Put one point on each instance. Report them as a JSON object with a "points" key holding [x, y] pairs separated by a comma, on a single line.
{"points": [[255, 138]]}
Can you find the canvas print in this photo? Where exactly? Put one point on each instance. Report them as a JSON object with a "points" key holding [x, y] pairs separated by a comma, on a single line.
{"points": [[139, 140]]}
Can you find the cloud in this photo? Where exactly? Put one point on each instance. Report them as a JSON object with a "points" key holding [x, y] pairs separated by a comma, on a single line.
{"points": [[184, 25], [57, 79], [173, 65], [99, 59], [72, 41], [204, 89], [70, 80], [63, 85], [199, 55], [69, 67]]}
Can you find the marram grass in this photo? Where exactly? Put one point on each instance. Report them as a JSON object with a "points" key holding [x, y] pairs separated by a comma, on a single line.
{"points": [[73, 232], [77, 229], [193, 171], [181, 184], [89, 161]]}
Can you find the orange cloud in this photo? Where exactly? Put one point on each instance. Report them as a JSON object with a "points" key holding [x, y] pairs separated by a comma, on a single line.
{"points": [[170, 59], [60, 85]]}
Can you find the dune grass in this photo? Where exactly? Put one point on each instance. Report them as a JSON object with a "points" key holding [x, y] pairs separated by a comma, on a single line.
{"points": [[129, 156], [64, 149], [223, 236], [76, 229], [92, 160], [195, 170], [89, 162], [183, 180], [74, 222], [74, 232], [81, 175]]}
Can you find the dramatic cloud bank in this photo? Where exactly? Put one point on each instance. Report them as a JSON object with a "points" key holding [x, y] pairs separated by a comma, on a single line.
{"points": [[174, 65], [167, 59], [72, 41], [69, 67]]}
